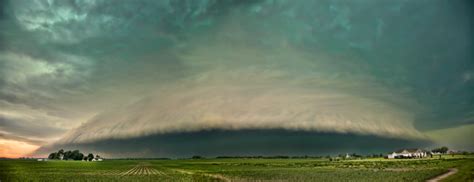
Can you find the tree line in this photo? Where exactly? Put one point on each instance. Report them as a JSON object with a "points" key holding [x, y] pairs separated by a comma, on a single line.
{"points": [[442, 150], [72, 155]]}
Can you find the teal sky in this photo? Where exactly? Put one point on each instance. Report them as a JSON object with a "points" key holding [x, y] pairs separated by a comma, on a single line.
{"points": [[87, 72]]}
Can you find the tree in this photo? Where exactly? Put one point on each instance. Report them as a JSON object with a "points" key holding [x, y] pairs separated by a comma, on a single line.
{"points": [[71, 155], [197, 157], [90, 157], [53, 155], [442, 150], [60, 153], [76, 155], [79, 157], [67, 155]]}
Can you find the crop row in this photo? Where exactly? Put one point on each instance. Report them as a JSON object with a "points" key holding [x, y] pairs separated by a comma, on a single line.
{"points": [[141, 170]]}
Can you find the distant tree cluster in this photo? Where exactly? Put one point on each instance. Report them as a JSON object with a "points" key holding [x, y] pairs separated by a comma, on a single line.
{"points": [[258, 157], [442, 150], [269, 157], [197, 157], [143, 158], [72, 155], [341, 156]]}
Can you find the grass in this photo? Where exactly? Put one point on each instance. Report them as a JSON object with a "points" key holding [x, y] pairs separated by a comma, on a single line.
{"points": [[375, 169]]}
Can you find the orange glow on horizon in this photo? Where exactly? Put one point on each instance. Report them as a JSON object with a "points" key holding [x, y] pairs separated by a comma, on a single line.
{"points": [[16, 149]]}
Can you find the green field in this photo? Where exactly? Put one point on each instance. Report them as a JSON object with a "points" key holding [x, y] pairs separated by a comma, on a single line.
{"points": [[375, 169]]}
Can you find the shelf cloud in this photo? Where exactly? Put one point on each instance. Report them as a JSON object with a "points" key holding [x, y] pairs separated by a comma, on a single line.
{"points": [[241, 88], [87, 72]]}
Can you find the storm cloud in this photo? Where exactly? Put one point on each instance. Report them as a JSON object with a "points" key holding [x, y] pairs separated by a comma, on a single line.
{"points": [[240, 88], [80, 72], [245, 142]]}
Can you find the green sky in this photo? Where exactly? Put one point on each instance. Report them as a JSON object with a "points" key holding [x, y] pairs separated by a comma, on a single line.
{"points": [[88, 72]]}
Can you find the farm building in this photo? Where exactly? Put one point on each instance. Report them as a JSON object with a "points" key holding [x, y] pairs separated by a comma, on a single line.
{"points": [[408, 153], [98, 158]]}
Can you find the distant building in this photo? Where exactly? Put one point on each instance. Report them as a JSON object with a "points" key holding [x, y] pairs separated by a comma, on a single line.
{"points": [[391, 156], [98, 158], [408, 153]]}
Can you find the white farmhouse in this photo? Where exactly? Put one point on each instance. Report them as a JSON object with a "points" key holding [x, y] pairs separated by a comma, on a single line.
{"points": [[99, 159], [408, 153], [392, 155]]}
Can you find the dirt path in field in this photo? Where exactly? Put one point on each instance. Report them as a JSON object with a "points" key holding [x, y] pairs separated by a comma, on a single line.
{"points": [[215, 176], [142, 169], [442, 176]]}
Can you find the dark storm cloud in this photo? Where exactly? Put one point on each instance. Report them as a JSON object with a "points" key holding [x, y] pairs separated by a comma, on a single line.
{"points": [[37, 83], [378, 68], [3, 6], [72, 22], [241, 143]]}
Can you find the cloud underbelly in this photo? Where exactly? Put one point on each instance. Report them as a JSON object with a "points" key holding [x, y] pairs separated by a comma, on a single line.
{"points": [[236, 107], [245, 142]]}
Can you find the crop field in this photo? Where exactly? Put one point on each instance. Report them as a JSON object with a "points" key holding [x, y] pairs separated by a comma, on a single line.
{"points": [[374, 169]]}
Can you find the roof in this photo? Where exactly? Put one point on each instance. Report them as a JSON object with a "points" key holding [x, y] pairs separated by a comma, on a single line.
{"points": [[409, 150]]}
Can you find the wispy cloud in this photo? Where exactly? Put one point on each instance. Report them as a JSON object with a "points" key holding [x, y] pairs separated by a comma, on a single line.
{"points": [[6, 136]]}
